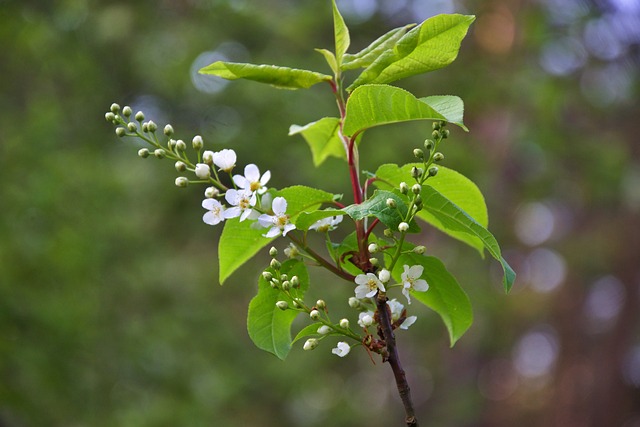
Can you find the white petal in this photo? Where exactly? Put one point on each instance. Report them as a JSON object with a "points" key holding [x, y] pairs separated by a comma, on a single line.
{"points": [[288, 228], [232, 212], [405, 292], [211, 218], [265, 178], [416, 271], [209, 204], [361, 291], [232, 197], [275, 231], [342, 349], [241, 181], [408, 322], [266, 220], [245, 214], [420, 285], [279, 205], [252, 173]]}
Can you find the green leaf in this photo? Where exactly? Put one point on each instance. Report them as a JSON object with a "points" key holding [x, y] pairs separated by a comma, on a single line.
{"points": [[323, 138], [432, 45], [453, 185], [452, 218], [268, 326], [375, 105], [307, 219], [370, 53], [376, 206], [444, 296], [280, 77], [238, 243], [307, 331], [341, 34], [330, 58], [303, 199]]}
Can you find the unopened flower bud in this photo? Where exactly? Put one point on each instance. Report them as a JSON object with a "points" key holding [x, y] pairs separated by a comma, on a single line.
{"points": [[275, 264], [416, 188], [433, 171], [181, 145], [132, 127], [321, 304], [168, 130], [143, 152], [182, 181], [211, 192], [197, 143], [297, 303], [310, 344], [354, 302], [203, 171], [435, 134], [391, 203], [267, 275], [403, 227], [445, 134], [419, 250], [324, 329], [373, 248], [286, 285], [436, 125], [295, 281], [120, 131], [273, 251], [344, 323], [429, 144], [180, 166], [384, 275], [366, 320], [418, 153], [374, 261], [110, 117], [388, 232], [274, 283], [314, 315], [172, 144], [139, 116], [404, 188], [152, 126], [126, 111], [416, 172], [282, 305], [145, 127], [159, 153], [207, 157], [115, 108], [284, 277], [438, 157]]}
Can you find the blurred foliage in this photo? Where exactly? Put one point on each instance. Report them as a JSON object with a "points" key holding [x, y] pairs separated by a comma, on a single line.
{"points": [[110, 313]]}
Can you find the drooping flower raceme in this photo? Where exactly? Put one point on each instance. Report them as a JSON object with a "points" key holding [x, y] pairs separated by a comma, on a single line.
{"points": [[397, 308], [225, 159], [242, 203], [252, 179], [342, 349], [215, 214], [411, 280], [279, 221], [368, 285], [326, 224]]}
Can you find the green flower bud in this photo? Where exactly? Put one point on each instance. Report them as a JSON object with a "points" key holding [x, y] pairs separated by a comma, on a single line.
{"points": [[419, 250], [115, 108], [445, 134], [267, 275], [436, 125], [438, 157], [310, 344], [295, 282], [373, 248], [159, 153], [354, 302], [404, 188], [286, 285], [197, 143], [282, 305], [418, 153], [181, 166], [391, 203], [435, 134], [182, 182], [284, 277], [297, 303], [321, 304], [143, 152], [168, 130], [145, 127], [180, 145], [418, 202], [374, 261], [126, 111], [273, 251], [211, 192], [433, 171], [152, 126], [403, 227], [274, 283], [120, 131], [416, 188], [429, 144], [384, 275], [139, 116], [110, 117], [324, 330], [275, 264], [388, 232], [344, 323], [172, 144], [132, 127], [314, 315], [416, 172]]}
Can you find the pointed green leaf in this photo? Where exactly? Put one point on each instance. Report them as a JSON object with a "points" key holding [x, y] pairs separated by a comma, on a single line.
{"points": [[376, 206], [307, 331], [366, 56], [323, 139], [238, 243], [307, 219], [452, 185], [375, 105], [270, 327], [330, 58], [341, 34], [432, 45], [444, 296], [280, 77], [303, 199]]}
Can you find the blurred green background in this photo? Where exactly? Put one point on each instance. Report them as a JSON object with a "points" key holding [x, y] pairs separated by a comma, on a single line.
{"points": [[110, 310]]}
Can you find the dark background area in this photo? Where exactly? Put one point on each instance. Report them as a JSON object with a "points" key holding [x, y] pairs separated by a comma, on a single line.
{"points": [[110, 309]]}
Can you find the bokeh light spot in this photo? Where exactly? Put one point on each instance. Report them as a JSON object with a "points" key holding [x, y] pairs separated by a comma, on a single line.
{"points": [[534, 223], [535, 353]]}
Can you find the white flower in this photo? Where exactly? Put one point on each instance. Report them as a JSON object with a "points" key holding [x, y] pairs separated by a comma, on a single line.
{"points": [[384, 275], [242, 203], [365, 319], [397, 308], [368, 285], [252, 179], [203, 171], [225, 159], [342, 349], [326, 224], [408, 322], [291, 251], [215, 214], [411, 280], [279, 222]]}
